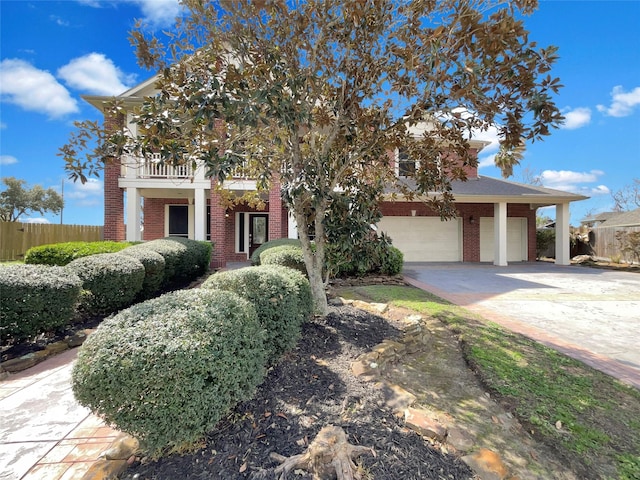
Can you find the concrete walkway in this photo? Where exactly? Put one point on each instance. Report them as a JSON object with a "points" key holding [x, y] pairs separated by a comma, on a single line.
{"points": [[44, 433], [590, 314]]}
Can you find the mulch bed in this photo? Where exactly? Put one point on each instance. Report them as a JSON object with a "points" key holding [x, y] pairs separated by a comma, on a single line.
{"points": [[312, 387]]}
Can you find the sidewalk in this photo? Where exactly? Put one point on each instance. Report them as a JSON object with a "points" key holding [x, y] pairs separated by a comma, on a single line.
{"points": [[44, 433]]}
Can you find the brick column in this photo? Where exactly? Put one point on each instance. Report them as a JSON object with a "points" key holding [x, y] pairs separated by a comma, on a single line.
{"points": [[113, 194], [275, 212], [218, 230]]}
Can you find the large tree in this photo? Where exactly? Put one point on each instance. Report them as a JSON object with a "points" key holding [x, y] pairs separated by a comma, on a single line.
{"points": [[17, 200], [315, 93], [628, 197]]}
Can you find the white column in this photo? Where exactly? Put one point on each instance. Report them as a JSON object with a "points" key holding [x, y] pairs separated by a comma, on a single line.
{"points": [[292, 226], [200, 214], [563, 253], [133, 215], [500, 234]]}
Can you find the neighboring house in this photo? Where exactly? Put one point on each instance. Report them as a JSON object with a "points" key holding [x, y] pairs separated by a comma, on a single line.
{"points": [[603, 236], [497, 221], [596, 220]]}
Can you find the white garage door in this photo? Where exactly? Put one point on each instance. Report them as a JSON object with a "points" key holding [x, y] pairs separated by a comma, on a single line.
{"points": [[424, 239], [516, 239]]}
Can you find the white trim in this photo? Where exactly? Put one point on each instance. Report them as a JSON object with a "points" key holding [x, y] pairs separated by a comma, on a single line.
{"points": [[563, 243]]}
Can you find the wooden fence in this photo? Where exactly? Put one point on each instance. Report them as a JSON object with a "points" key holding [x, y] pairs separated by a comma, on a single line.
{"points": [[16, 238], [605, 244]]}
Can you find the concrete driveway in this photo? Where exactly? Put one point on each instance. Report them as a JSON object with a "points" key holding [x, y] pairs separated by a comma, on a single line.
{"points": [[590, 314]]}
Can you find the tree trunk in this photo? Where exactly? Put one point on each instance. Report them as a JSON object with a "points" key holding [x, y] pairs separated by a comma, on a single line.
{"points": [[314, 262], [329, 456]]}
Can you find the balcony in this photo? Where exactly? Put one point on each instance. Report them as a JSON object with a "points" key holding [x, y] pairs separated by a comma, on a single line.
{"points": [[153, 168]]}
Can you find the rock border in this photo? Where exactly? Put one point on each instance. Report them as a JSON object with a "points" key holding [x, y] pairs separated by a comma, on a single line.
{"points": [[487, 464]]}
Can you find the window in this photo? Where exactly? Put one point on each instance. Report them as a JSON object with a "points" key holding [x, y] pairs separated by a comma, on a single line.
{"points": [[406, 166]]}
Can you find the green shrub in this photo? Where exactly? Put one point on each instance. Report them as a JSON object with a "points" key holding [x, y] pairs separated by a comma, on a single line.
{"points": [[391, 261], [184, 259], [279, 299], [153, 264], [376, 256], [110, 281], [36, 299], [255, 256], [285, 255], [166, 370], [63, 253], [545, 237]]}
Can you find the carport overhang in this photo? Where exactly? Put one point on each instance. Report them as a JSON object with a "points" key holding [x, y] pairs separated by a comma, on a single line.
{"points": [[534, 196]]}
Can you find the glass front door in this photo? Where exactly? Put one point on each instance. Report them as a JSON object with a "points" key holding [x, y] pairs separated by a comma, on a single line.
{"points": [[258, 231]]}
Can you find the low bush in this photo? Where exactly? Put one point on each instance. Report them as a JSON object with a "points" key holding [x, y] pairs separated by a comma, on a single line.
{"points": [[376, 256], [184, 259], [35, 299], [110, 281], [153, 264], [166, 370], [391, 261], [63, 253], [255, 256], [285, 255], [280, 297]]}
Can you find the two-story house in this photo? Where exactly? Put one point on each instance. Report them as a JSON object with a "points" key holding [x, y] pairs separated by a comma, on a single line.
{"points": [[496, 221]]}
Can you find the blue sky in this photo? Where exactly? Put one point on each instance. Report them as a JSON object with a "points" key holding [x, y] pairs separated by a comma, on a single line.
{"points": [[54, 51]]}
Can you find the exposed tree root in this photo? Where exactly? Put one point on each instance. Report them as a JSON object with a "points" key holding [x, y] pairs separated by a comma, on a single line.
{"points": [[329, 456]]}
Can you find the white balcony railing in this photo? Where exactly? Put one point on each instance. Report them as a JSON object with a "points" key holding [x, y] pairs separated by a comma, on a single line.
{"points": [[152, 168]]}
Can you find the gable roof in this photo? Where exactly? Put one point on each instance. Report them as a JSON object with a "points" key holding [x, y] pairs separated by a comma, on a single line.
{"points": [[489, 190], [624, 219], [599, 218]]}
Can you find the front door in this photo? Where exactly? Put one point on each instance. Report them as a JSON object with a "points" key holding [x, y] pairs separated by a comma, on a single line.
{"points": [[258, 231], [179, 221]]}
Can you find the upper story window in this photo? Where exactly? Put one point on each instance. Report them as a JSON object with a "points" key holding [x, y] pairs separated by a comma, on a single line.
{"points": [[405, 166]]}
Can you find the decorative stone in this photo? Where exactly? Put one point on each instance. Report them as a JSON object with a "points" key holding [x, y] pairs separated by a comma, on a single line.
{"points": [[122, 448], [105, 470], [360, 368], [76, 340], [487, 464], [56, 347], [421, 422], [335, 302], [460, 439], [396, 397], [19, 364]]}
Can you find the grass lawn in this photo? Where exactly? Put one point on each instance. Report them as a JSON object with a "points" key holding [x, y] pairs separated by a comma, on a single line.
{"points": [[586, 415]]}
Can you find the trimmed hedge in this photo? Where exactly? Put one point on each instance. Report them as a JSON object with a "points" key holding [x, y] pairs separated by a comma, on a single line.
{"points": [[377, 256], [64, 253], [35, 299], [281, 297], [184, 259], [166, 370], [255, 256], [285, 255], [110, 281], [153, 264]]}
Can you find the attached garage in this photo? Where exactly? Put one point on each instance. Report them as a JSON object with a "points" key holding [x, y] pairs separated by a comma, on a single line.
{"points": [[424, 239], [516, 239]]}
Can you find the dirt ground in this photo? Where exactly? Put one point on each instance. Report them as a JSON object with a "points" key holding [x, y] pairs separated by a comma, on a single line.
{"points": [[314, 386]]}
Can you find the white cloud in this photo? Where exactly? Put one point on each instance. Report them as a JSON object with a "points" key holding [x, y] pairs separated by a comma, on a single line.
{"points": [[577, 118], [59, 20], [90, 3], [33, 89], [95, 73], [622, 103], [159, 13], [3, 125], [36, 220], [88, 194], [570, 181], [8, 160]]}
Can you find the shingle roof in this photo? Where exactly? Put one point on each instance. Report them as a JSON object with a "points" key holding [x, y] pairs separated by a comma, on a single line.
{"points": [[600, 217], [624, 219], [474, 189]]}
